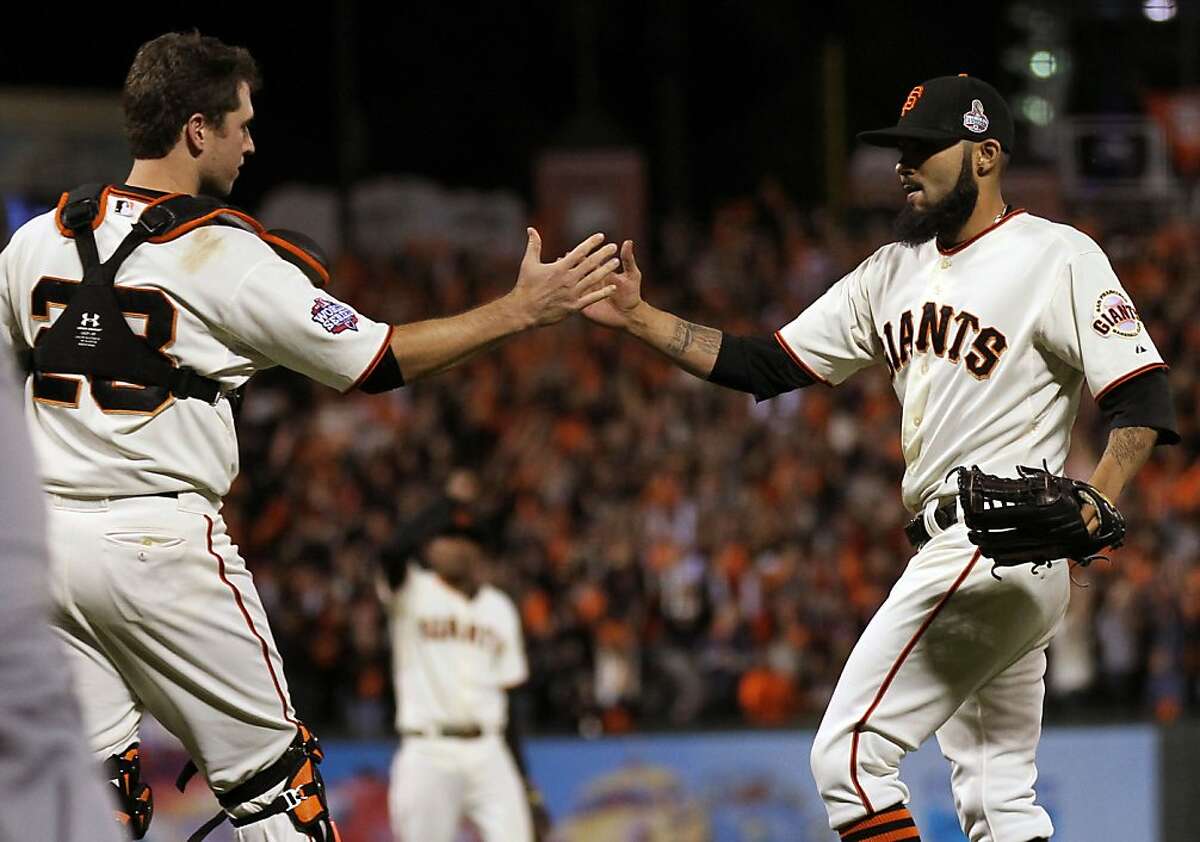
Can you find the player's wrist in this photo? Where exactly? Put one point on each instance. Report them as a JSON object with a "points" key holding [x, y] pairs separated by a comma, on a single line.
{"points": [[1107, 485], [639, 319], [516, 312]]}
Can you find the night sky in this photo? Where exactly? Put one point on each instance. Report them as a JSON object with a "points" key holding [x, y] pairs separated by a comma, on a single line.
{"points": [[719, 94]]}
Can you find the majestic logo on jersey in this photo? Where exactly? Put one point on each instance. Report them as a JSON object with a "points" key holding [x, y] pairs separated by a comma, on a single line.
{"points": [[952, 336], [913, 97], [123, 207], [1115, 314], [975, 120], [332, 316], [449, 628]]}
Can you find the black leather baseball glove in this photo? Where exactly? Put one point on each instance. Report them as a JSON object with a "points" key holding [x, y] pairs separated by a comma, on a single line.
{"points": [[1036, 517]]}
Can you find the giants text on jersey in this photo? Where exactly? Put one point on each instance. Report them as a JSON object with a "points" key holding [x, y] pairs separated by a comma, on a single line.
{"points": [[987, 344], [454, 655]]}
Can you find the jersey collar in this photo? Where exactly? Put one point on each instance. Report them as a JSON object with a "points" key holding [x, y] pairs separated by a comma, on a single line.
{"points": [[957, 248], [465, 591]]}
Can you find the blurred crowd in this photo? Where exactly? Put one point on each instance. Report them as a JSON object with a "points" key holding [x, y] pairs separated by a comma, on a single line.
{"points": [[681, 556]]}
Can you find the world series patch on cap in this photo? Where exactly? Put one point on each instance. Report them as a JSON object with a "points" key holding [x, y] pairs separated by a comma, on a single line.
{"points": [[949, 109]]}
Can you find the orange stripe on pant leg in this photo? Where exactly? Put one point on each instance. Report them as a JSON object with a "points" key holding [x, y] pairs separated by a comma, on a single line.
{"points": [[887, 682], [886, 817]]}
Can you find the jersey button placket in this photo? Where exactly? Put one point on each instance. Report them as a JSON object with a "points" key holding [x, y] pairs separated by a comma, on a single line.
{"points": [[935, 292]]}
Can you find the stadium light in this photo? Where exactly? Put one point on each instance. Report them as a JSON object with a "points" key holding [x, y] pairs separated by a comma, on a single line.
{"points": [[1037, 109], [1043, 64], [1160, 10]]}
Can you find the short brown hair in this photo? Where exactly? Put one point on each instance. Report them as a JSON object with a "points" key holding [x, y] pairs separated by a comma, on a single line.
{"points": [[175, 76]]}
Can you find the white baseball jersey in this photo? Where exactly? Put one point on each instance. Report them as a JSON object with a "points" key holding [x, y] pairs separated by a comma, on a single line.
{"points": [[217, 300], [454, 656], [987, 343]]}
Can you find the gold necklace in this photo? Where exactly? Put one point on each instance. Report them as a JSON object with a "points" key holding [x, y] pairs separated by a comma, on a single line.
{"points": [[945, 262]]}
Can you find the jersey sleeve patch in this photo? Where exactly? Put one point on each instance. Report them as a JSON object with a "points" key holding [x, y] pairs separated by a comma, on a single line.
{"points": [[334, 316], [1116, 315]]}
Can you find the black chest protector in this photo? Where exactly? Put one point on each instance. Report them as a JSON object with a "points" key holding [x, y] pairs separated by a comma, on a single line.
{"points": [[91, 336]]}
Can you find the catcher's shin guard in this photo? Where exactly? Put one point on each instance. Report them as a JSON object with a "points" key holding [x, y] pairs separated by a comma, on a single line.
{"points": [[300, 798], [135, 800]]}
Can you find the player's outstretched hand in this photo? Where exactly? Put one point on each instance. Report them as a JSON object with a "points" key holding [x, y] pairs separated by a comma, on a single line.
{"points": [[549, 292], [616, 309]]}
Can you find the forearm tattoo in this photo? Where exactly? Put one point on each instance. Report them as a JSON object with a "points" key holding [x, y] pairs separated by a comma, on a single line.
{"points": [[688, 335], [1130, 446]]}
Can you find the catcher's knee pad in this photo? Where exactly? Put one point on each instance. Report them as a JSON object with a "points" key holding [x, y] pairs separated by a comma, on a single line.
{"points": [[301, 795], [135, 801]]}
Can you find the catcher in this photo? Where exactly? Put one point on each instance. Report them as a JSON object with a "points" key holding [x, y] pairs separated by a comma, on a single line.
{"points": [[459, 657], [989, 321], [140, 311]]}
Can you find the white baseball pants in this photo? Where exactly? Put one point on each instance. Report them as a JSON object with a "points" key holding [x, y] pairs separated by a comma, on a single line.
{"points": [[437, 781], [158, 612], [955, 652]]}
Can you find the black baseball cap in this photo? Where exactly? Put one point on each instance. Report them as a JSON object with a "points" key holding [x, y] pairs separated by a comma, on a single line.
{"points": [[444, 516], [949, 108]]}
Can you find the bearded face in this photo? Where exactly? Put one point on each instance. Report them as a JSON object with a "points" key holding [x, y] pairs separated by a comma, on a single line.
{"points": [[935, 206]]}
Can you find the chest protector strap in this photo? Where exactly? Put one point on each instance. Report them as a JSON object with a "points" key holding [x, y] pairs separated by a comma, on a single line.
{"points": [[91, 336]]}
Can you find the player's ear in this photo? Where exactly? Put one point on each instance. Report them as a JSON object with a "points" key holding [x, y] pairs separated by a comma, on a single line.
{"points": [[989, 158], [195, 132]]}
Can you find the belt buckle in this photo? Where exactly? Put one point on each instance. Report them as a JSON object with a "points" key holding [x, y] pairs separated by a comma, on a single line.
{"points": [[949, 506], [461, 732]]}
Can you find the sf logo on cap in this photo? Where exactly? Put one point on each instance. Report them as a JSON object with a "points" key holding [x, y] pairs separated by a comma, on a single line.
{"points": [[913, 96]]}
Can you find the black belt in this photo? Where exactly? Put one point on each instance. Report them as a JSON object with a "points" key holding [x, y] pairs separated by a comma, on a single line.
{"points": [[462, 732], [172, 494], [945, 516]]}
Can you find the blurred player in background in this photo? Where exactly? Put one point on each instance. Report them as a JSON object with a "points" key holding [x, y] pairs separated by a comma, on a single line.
{"points": [[134, 374], [54, 784], [458, 654]]}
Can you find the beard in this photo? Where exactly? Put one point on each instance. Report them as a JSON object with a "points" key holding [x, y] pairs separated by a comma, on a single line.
{"points": [[943, 220]]}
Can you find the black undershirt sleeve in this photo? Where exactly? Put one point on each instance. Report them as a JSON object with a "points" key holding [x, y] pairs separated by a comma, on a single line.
{"points": [[758, 365], [385, 376], [1144, 401]]}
